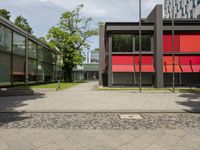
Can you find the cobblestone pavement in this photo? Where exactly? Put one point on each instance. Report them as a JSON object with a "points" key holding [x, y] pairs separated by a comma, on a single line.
{"points": [[99, 131], [86, 98], [99, 121]]}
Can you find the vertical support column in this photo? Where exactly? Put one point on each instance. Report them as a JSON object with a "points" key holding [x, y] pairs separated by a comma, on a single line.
{"points": [[11, 68], [26, 61], [101, 53], [156, 17], [158, 46], [109, 60]]}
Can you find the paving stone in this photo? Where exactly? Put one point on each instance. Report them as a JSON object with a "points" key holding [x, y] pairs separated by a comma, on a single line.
{"points": [[89, 99], [157, 147], [38, 140], [50, 146], [3, 145], [144, 141], [168, 140], [20, 144]]}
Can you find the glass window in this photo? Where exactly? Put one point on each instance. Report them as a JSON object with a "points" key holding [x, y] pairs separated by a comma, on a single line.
{"points": [[48, 56], [122, 43], [18, 59], [32, 49], [32, 70], [18, 44], [5, 39], [41, 53], [41, 74], [5, 55], [146, 43]]}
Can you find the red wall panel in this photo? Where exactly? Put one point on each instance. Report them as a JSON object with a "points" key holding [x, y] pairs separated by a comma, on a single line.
{"points": [[167, 43], [122, 59], [146, 60], [190, 43], [187, 60], [168, 60]]}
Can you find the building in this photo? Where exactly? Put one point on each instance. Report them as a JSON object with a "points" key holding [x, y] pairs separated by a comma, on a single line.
{"points": [[182, 8], [23, 58], [86, 71], [93, 56], [119, 52]]}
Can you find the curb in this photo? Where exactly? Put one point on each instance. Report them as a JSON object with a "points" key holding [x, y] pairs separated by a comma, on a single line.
{"points": [[97, 111]]}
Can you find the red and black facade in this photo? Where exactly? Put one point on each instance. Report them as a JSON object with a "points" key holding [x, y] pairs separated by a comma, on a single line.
{"points": [[119, 52]]}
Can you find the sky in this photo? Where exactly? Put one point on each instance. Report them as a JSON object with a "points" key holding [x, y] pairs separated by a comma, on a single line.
{"points": [[43, 14]]}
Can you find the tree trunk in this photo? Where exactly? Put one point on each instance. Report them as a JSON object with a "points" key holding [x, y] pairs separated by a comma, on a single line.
{"points": [[67, 74]]}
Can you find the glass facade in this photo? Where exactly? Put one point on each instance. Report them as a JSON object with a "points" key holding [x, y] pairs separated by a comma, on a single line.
{"points": [[122, 43], [40, 65], [19, 51], [5, 55], [146, 43], [130, 42]]}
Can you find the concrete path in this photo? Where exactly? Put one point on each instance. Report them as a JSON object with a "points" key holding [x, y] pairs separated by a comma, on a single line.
{"points": [[61, 139], [86, 98]]}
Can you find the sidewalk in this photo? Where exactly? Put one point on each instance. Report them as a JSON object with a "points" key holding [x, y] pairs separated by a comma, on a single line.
{"points": [[60, 139], [86, 98]]}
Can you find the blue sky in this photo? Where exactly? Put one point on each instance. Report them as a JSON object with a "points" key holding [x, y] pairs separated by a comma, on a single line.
{"points": [[43, 14]]}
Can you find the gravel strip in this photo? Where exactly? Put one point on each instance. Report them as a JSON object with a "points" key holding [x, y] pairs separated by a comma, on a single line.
{"points": [[101, 121]]}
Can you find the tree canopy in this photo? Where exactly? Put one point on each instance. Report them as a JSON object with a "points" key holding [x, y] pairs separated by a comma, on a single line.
{"points": [[70, 37], [5, 13], [22, 22]]}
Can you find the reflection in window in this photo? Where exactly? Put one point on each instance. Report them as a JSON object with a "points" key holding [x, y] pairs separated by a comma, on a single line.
{"points": [[41, 53], [18, 59], [32, 50], [41, 74], [32, 70], [5, 55], [18, 44], [122, 43], [146, 43]]}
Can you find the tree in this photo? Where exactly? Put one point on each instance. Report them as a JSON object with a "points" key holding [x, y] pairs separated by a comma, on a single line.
{"points": [[22, 22], [70, 37], [44, 40], [5, 14]]}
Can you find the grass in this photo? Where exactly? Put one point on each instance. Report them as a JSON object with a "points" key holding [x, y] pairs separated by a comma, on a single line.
{"points": [[54, 86], [63, 85], [154, 89]]}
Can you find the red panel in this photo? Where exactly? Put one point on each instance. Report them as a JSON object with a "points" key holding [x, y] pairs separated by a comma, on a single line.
{"points": [[168, 60], [145, 68], [122, 59], [146, 60], [196, 68], [167, 43], [122, 68], [187, 60], [169, 68], [190, 43], [186, 68]]}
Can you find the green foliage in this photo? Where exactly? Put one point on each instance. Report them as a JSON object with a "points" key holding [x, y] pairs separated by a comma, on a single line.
{"points": [[5, 13], [44, 40], [70, 37], [22, 22]]}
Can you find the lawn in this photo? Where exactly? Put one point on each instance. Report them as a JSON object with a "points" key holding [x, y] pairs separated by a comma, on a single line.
{"points": [[155, 89], [54, 85]]}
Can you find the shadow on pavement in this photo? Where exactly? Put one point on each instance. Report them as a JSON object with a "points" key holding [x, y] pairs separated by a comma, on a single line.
{"points": [[8, 105], [192, 100]]}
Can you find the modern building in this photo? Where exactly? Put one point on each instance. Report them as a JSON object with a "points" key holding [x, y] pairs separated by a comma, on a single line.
{"points": [[23, 58], [93, 56], [119, 52], [182, 8], [86, 71]]}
